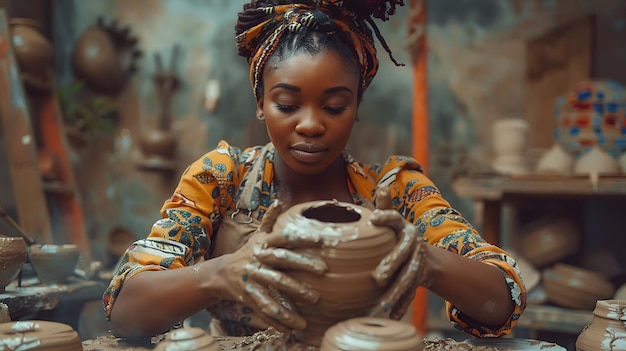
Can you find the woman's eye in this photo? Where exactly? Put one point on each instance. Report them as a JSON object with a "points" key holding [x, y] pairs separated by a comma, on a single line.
{"points": [[334, 110], [286, 108]]}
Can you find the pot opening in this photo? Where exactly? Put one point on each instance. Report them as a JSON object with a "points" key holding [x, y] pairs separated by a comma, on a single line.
{"points": [[332, 213]]}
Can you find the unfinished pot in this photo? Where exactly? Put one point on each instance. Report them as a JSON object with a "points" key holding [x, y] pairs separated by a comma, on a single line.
{"points": [[39, 335], [54, 264], [352, 250], [575, 287], [607, 330], [14, 254], [370, 333]]}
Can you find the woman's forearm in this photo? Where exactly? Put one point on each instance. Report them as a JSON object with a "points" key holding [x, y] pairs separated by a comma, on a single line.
{"points": [[151, 302], [476, 288]]}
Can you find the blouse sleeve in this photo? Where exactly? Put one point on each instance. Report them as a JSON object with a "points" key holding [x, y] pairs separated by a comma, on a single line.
{"points": [[420, 202], [188, 219]]}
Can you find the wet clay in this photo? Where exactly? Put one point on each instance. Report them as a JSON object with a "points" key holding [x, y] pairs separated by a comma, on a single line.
{"points": [[369, 333], [607, 330], [188, 339], [39, 335], [14, 254], [488, 344], [352, 249]]}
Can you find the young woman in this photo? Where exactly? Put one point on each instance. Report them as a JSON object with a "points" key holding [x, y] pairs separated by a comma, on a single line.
{"points": [[310, 62]]}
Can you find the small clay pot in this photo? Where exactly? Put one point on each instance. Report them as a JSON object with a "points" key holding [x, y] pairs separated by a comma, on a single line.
{"points": [[14, 255], [53, 264], [159, 143], [39, 335], [607, 329], [548, 240], [33, 51], [370, 333], [353, 248]]}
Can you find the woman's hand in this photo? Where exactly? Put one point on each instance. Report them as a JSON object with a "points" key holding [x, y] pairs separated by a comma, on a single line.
{"points": [[404, 264], [256, 286]]}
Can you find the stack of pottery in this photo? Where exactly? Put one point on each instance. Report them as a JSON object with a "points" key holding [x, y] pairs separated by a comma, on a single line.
{"points": [[14, 255], [352, 249], [607, 330]]}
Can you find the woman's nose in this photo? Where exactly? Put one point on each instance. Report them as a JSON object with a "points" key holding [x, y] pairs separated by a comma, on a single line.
{"points": [[310, 124]]}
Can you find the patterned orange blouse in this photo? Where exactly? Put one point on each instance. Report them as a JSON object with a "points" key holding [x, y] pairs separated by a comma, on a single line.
{"points": [[210, 186]]}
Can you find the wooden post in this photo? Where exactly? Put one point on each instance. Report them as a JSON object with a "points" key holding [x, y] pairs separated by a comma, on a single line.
{"points": [[417, 32]]}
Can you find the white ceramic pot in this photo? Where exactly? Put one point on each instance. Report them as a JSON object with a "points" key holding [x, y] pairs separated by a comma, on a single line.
{"points": [[556, 160], [598, 161]]}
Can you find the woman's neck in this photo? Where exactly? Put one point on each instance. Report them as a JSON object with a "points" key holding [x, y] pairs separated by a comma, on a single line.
{"points": [[294, 188]]}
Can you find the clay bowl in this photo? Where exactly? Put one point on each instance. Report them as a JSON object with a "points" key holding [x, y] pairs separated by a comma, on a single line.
{"points": [[14, 254], [39, 335], [574, 287], [549, 240], [53, 264], [352, 248], [371, 333]]}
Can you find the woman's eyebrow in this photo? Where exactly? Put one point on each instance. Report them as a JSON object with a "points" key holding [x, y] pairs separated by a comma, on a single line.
{"points": [[337, 89], [286, 86]]}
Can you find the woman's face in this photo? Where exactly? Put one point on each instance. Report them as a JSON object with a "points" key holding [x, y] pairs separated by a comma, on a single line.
{"points": [[309, 105]]}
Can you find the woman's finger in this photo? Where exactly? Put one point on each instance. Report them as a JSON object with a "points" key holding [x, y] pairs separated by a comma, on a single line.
{"points": [[397, 257], [285, 318], [268, 277], [288, 259]]}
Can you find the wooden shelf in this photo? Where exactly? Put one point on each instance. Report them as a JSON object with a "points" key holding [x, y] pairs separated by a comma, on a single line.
{"points": [[494, 187]]}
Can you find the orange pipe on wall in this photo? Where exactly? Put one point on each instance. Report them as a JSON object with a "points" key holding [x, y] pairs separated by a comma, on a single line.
{"points": [[420, 137]]}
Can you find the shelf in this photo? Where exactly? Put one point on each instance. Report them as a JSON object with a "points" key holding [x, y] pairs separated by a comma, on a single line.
{"points": [[556, 319], [488, 187]]}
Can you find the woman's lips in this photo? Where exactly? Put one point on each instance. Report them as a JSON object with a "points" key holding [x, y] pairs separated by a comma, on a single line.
{"points": [[308, 152]]}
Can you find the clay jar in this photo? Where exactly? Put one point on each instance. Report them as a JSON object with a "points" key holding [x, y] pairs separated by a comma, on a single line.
{"points": [[39, 335], [54, 264], [370, 333], [607, 330], [96, 60], [33, 51], [352, 248], [14, 254], [188, 339]]}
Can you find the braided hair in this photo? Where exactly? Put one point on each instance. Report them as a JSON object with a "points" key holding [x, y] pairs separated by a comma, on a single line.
{"points": [[269, 31]]}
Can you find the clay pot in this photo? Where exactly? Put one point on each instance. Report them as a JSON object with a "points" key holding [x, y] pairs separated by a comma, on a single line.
{"points": [[14, 255], [39, 335], [575, 287], [96, 60], [353, 248], [188, 339], [509, 142], [607, 330], [556, 160], [548, 240], [53, 264], [598, 161], [369, 333], [33, 51]]}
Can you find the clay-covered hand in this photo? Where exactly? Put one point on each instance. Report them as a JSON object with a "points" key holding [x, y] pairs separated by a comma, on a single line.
{"points": [[404, 264], [256, 280]]}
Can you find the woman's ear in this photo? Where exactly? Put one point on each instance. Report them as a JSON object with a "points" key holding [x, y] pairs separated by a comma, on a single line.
{"points": [[259, 110]]}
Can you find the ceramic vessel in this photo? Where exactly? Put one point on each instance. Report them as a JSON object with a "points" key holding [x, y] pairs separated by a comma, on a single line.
{"points": [[14, 254], [596, 160], [509, 142], [39, 335], [556, 160], [96, 61], [159, 147], [369, 333], [33, 51], [53, 264], [353, 248], [574, 287], [188, 339], [607, 330], [548, 240]]}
